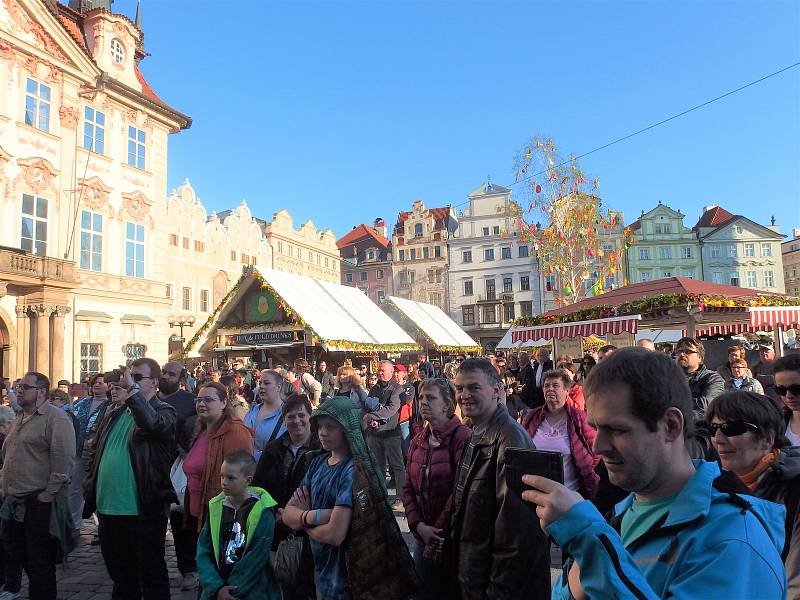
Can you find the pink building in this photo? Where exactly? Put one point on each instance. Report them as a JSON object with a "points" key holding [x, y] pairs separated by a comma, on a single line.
{"points": [[367, 260]]}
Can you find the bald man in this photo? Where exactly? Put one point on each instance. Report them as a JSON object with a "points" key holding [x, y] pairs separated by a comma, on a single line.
{"points": [[647, 344]]}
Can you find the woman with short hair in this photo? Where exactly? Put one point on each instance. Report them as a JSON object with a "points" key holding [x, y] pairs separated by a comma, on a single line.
{"points": [[735, 352], [740, 380], [746, 430], [307, 383]]}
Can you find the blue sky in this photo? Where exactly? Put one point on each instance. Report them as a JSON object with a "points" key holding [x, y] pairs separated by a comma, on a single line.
{"points": [[343, 111]]}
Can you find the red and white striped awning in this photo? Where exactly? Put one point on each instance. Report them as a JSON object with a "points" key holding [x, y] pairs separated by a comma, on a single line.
{"points": [[611, 325], [754, 318]]}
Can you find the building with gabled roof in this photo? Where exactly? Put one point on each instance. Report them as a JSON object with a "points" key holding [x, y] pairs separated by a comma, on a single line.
{"points": [[419, 253], [738, 251], [663, 247], [367, 260]]}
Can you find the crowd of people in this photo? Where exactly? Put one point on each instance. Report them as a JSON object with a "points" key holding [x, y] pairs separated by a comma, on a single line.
{"points": [[288, 482]]}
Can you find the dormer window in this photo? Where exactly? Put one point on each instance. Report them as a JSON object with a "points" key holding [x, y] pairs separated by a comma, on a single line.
{"points": [[117, 51]]}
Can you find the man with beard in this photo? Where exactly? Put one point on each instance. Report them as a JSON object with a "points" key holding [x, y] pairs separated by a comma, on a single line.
{"points": [[183, 402], [704, 383]]}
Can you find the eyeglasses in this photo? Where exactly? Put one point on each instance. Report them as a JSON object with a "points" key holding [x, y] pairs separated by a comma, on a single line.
{"points": [[25, 387], [782, 390], [205, 399], [137, 377], [731, 428]]}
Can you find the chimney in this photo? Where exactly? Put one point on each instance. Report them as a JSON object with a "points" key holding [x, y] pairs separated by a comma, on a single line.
{"points": [[708, 207], [380, 226]]}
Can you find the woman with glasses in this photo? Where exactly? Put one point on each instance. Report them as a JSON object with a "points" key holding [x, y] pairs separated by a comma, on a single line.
{"points": [[217, 433], [746, 430], [740, 379], [726, 371], [587, 364], [786, 373]]}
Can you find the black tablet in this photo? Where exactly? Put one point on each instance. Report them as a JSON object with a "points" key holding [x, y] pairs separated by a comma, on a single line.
{"points": [[522, 461]]}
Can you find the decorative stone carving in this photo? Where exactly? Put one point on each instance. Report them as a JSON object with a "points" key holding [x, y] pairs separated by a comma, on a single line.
{"points": [[43, 310], [137, 206], [6, 50], [60, 311], [22, 311], [92, 280], [94, 195], [37, 174], [69, 117]]}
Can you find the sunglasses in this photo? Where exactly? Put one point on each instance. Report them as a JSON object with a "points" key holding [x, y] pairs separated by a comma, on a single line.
{"points": [[782, 390], [26, 387], [685, 351], [137, 377], [731, 428]]}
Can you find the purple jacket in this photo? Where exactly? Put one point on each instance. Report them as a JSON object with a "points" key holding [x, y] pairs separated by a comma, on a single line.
{"points": [[431, 474], [581, 439]]}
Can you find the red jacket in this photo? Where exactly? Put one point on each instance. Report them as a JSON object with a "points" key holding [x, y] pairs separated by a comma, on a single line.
{"points": [[575, 397], [431, 474], [581, 439]]}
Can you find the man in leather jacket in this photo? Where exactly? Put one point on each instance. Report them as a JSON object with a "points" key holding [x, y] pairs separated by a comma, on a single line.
{"points": [[497, 547], [704, 383], [129, 484]]}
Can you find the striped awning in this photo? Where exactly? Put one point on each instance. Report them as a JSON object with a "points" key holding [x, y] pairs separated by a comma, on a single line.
{"points": [[754, 318], [612, 325]]}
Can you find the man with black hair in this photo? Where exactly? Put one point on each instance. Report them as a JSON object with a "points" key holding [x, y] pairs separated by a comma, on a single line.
{"points": [[684, 531], [498, 550], [704, 383]]}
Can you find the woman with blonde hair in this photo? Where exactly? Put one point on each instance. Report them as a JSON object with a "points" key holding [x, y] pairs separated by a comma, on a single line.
{"points": [[348, 383], [308, 384]]}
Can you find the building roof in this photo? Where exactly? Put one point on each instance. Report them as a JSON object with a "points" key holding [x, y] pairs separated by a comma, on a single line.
{"points": [[340, 317], [439, 214], [433, 322], [360, 232], [714, 217], [636, 225], [659, 287]]}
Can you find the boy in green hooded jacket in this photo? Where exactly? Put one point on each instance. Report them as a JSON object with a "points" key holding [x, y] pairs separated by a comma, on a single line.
{"points": [[234, 544]]}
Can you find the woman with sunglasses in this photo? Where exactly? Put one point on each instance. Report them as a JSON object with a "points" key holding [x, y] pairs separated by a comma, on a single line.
{"points": [[587, 364], [786, 373], [746, 430]]}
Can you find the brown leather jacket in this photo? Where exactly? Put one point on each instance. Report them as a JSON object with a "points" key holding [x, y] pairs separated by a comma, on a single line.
{"points": [[497, 547]]}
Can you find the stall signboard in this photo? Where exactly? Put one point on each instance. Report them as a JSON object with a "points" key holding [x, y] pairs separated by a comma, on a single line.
{"points": [[571, 346], [620, 340], [261, 338]]}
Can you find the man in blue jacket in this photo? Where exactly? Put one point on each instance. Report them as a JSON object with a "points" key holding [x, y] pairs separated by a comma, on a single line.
{"points": [[686, 531]]}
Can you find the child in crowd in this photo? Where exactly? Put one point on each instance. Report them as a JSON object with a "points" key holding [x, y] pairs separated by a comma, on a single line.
{"points": [[233, 548]]}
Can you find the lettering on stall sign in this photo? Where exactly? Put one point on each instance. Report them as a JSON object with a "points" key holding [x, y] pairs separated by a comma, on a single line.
{"points": [[261, 338]]}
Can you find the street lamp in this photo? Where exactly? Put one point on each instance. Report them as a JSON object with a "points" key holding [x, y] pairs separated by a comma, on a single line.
{"points": [[181, 321]]}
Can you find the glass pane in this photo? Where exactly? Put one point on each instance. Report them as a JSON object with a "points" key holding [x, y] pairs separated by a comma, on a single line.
{"points": [[41, 248], [140, 233], [97, 222], [84, 259], [86, 217], [131, 133], [27, 227], [29, 112], [26, 244], [140, 252], [100, 118], [129, 228], [31, 86], [140, 162], [44, 92], [99, 146], [87, 136], [41, 208], [139, 269], [140, 136], [97, 262], [27, 204], [44, 117], [88, 113], [41, 231], [129, 268], [129, 251], [86, 242], [97, 243]]}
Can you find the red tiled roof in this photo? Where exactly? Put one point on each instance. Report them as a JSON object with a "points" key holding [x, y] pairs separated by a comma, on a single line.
{"points": [[658, 287], [146, 89], [73, 30], [360, 232], [636, 225], [439, 216], [714, 217]]}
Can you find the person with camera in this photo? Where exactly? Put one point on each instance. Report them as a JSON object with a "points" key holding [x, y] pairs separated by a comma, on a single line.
{"points": [[686, 530], [38, 455], [129, 485]]}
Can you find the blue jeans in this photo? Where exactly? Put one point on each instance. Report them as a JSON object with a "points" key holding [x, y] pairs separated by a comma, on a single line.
{"points": [[433, 579], [405, 434]]}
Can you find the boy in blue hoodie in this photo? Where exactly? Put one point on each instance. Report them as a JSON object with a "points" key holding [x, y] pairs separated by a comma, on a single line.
{"points": [[687, 530], [234, 544]]}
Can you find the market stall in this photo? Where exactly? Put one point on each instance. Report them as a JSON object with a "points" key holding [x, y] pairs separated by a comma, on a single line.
{"points": [[430, 326], [270, 317], [697, 308]]}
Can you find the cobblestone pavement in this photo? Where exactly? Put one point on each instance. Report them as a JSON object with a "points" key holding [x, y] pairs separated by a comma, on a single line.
{"points": [[84, 577]]}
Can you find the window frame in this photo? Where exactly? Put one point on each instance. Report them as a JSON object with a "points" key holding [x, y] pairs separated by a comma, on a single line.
{"points": [[35, 220], [186, 298], [468, 314], [132, 262], [505, 253], [524, 283], [468, 287], [86, 357], [137, 148], [94, 237], [37, 106], [523, 251], [93, 130], [488, 254]]}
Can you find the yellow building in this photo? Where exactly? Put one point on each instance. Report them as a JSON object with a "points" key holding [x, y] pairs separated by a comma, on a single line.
{"points": [[304, 251]]}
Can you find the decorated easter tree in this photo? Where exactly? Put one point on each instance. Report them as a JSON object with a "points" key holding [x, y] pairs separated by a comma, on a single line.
{"points": [[570, 224]]}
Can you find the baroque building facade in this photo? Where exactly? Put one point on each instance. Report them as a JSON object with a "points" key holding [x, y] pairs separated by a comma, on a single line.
{"points": [[419, 253], [663, 247], [738, 251], [492, 275], [790, 255]]}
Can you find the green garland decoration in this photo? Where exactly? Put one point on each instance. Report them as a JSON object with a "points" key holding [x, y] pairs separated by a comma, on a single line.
{"points": [[654, 303], [411, 326], [297, 320]]}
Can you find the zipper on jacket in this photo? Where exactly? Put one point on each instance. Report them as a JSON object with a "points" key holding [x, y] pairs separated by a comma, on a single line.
{"points": [[612, 553]]}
